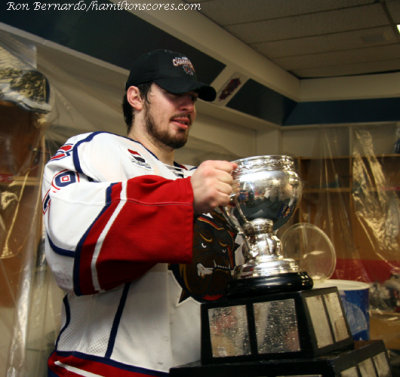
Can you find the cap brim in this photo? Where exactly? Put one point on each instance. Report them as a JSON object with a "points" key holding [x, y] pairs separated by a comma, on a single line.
{"points": [[179, 86]]}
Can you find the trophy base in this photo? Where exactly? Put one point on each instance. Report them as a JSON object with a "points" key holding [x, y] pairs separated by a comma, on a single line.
{"points": [[280, 325], [366, 359], [261, 285]]}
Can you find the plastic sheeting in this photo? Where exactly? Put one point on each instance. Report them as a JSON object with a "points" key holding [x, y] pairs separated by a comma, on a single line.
{"points": [[355, 200], [27, 316], [376, 201]]}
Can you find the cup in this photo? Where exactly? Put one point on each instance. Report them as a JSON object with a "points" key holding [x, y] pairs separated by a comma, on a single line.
{"points": [[266, 192]]}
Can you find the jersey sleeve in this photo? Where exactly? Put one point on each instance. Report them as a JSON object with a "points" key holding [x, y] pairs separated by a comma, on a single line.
{"points": [[102, 234]]}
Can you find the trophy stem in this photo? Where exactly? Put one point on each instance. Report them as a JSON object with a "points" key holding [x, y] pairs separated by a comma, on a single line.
{"points": [[261, 239], [265, 270]]}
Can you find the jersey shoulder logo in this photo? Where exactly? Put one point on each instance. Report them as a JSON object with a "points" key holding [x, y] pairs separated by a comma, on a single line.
{"points": [[139, 160], [177, 170], [63, 152]]}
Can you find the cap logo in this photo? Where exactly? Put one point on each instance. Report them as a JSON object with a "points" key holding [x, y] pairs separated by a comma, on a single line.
{"points": [[185, 63]]}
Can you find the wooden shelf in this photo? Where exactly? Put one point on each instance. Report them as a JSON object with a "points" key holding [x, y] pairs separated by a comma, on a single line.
{"points": [[326, 189], [10, 180]]}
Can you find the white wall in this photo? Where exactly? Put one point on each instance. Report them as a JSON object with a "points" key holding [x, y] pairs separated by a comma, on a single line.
{"points": [[269, 141], [327, 141], [239, 140]]}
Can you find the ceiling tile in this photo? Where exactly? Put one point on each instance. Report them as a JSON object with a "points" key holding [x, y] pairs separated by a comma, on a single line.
{"points": [[330, 42], [314, 37], [349, 69], [229, 12], [311, 24], [393, 7], [340, 57]]}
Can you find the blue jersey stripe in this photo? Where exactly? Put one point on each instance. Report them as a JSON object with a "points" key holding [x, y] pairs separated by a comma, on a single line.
{"points": [[117, 320]]}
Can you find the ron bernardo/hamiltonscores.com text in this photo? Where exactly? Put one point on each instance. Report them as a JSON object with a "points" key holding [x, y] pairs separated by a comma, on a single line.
{"points": [[94, 5]]}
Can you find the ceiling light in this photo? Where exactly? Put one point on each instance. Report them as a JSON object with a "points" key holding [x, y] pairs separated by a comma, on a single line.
{"points": [[398, 27]]}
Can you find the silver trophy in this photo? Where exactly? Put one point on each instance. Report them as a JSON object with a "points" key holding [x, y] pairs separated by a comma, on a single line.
{"points": [[266, 191], [295, 329]]}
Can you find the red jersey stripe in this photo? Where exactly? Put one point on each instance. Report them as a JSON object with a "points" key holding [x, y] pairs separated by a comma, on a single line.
{"points": [[72, 365]]}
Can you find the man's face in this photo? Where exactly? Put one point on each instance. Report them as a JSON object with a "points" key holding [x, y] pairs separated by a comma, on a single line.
{"points": [[169, 116]]}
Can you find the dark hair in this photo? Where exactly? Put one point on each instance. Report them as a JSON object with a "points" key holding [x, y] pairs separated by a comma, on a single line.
{"points": [[127, 108]]}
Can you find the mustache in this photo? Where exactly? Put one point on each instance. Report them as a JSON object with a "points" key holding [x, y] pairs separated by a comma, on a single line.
{"points": [[187, 116]]}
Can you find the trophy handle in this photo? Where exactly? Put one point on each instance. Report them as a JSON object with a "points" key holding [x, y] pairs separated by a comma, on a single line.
{"points": [[234, 223], [230, 219]]}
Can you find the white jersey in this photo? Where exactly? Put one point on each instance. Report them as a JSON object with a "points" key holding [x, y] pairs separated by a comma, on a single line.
{"points": [[116, 220]]}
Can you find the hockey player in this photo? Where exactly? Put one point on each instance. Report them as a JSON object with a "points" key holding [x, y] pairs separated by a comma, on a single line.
{"points": [[119, 212]]}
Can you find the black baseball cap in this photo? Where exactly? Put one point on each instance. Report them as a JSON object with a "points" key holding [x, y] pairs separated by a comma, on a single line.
{"points": [[170, 70]]}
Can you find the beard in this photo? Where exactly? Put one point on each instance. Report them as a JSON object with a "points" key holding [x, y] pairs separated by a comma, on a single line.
{"points": [[162, 136]]}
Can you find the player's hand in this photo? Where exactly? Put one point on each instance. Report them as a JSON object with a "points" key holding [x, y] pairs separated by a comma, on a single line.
{"points": [[212, 185]]}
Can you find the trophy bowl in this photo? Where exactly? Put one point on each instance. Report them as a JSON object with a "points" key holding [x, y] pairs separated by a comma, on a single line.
{"points": [[266, 191]]}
